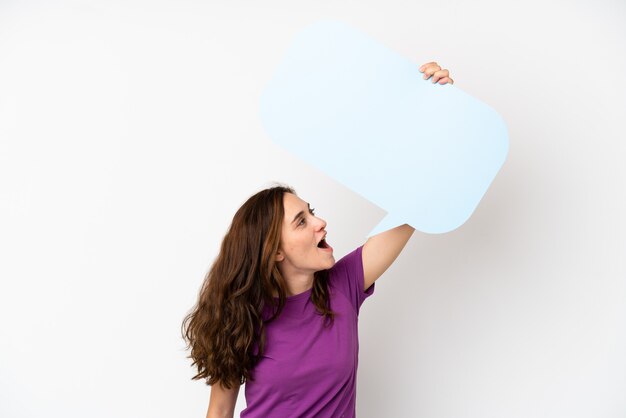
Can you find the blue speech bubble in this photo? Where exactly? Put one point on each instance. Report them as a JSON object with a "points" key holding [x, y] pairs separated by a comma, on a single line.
{"points": [[361, 113]]}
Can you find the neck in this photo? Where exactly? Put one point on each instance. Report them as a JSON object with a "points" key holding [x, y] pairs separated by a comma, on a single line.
{"points": [[296, 290], [297, 282]]}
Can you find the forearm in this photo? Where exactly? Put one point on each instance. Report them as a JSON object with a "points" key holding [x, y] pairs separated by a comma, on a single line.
{"points": [[222, 402], [220, 414], [381, 250]]}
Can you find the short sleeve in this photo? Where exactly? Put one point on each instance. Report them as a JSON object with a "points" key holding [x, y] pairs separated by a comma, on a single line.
{"points": [[347, 277]]}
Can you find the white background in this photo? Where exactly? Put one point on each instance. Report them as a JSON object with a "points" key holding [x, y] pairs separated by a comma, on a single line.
{"points": [[129, 135]]}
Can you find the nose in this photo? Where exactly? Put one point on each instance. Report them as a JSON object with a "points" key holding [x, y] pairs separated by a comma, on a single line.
{"points": [[322, 223]]}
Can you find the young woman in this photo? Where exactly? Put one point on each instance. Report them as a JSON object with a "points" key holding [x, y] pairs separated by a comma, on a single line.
{"points": [[278, 313]]}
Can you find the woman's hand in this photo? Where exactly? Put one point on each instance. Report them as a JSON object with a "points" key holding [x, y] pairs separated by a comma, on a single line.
{"points": [[433, 69]]}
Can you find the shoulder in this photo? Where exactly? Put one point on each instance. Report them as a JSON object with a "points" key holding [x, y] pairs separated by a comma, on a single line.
{"points": [[349, 263], [347, 277]]}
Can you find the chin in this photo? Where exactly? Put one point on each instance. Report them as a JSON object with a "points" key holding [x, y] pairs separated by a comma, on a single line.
{"points": [[327, 266]]}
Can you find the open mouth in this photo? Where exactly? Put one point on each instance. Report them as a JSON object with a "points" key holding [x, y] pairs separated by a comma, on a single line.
{"points": [[324, 245]]}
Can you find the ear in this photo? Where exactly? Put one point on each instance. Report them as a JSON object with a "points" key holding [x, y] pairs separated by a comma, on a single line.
{"points": [[279, 256]]}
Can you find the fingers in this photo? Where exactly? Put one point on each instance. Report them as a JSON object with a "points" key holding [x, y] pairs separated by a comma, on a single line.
{"points": [[432, 69], [437, 75], [425, 65], [429, 69]]}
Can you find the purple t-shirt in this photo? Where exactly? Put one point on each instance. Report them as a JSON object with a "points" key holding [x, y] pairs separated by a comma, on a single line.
{"points": [[308, 370]]}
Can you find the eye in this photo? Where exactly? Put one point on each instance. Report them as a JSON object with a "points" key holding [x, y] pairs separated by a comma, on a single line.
{"points": [[302, 221]]}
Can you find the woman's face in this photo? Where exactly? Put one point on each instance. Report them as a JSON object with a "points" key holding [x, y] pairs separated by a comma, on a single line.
{"points": [[302, 232]]}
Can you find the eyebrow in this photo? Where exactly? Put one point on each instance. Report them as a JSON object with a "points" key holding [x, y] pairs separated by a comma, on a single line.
{"points": [[300, 213]]}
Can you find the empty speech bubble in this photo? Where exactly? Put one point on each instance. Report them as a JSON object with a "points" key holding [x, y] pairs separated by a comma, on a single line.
{"points": [[361, 113]]}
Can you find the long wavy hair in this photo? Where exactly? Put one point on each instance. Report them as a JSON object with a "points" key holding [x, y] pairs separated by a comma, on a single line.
{"points": [[225, 330]]}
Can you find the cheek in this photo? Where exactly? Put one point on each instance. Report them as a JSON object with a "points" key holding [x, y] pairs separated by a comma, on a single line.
{"points": [[290, 244], [298, 245]]}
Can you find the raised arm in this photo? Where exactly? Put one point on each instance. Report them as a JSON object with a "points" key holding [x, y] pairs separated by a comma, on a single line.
{"points": [[222, 402], [381, 250]]}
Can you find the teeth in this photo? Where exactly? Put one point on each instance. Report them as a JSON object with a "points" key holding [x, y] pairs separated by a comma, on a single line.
{"points": [[323, 240]]}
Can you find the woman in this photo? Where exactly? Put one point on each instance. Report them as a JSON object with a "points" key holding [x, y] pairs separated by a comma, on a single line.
{"points": [[277, 312]]}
